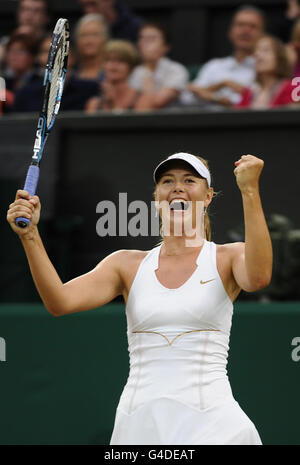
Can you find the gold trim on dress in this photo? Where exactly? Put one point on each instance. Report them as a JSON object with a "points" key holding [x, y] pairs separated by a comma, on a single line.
{"points": [[178, 335]]}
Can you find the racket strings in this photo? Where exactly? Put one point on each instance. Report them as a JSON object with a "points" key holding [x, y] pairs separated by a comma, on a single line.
{"points": [[55, 86]]}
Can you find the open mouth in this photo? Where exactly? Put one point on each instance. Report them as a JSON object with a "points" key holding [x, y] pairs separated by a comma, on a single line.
{"points": [[179, 205]]}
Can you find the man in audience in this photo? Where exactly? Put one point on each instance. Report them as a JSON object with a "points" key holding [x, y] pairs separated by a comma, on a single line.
{"points": [[158, 79], [122, 22], [33, 16], [221, 80]]}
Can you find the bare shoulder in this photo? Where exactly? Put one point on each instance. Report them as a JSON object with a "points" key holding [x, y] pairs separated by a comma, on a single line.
{"points": [[128, 264], [124, 259], [230, 250], [124, 255]]}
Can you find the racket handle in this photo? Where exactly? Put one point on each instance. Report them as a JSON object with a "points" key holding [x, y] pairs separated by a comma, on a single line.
{"points": [[30, 186]]}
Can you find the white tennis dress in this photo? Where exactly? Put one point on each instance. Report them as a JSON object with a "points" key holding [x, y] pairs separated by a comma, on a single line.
{"points": [[177, 391]]}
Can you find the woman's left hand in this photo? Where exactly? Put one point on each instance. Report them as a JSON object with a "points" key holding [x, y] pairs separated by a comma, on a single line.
{"points": [[247, 172]]}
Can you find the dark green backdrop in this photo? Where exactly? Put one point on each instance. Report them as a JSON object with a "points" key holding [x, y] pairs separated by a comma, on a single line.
{"points": [[62, 378]]}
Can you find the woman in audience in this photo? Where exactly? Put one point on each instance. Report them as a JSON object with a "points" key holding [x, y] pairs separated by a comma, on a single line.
{"points": [[91, 34], [76, 91], [19, 60], [116, 94], [158, 79], [273, 86]]}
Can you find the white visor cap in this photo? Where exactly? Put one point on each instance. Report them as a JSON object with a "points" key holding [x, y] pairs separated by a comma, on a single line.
{"points": [[193, 161]]}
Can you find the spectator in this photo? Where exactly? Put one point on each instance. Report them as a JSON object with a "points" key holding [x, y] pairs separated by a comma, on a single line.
{"points": [[91, 35], [6, 99], [32, 18], [120, 59], [158, 79], [220, 81], [273, 85], [294, 49], [123, 24], [19, 60], [283, 28], [76, 92]]}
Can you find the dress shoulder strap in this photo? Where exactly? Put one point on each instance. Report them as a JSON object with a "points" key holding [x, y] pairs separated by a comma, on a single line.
{"points": [[155, 256], [213, 253]]}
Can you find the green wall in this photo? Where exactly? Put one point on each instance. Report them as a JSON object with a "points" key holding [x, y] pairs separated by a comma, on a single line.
{"points": [[62, 378]]}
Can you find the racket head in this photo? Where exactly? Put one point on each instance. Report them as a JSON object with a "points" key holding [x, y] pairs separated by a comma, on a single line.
{"points": [[55, 72], [53, 84]]}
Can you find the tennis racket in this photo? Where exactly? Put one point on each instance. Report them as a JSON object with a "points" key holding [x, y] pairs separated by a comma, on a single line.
{"points": [[53, 85]]}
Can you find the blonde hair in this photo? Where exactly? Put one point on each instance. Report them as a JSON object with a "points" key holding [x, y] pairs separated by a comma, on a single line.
{"points": [[207, 225], [93, 17], [123, 50]]}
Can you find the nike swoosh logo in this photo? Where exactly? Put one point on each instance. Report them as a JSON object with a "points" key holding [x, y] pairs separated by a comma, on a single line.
{"points": [[205, 282]]}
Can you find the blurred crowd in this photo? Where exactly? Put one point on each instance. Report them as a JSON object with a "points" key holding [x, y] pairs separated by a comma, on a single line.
{"points": [[118, 61]]}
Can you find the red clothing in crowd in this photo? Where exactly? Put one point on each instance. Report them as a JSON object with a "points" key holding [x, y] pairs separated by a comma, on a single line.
{"points": [[282, 96], [9, 100]]}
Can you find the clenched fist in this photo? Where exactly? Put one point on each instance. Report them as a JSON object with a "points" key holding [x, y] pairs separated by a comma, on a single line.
{"points": [[26, 207], [247, 172]]}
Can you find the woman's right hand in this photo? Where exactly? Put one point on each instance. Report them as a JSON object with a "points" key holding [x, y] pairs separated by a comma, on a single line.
{"points": [[27, 207]]}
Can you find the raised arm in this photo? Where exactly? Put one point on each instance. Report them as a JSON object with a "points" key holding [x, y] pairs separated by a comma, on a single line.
{"points": [[252, 261], [86, 292]]}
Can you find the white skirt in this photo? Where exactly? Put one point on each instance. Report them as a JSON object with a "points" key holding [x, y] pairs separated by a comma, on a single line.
{"points": [[166, 421]]}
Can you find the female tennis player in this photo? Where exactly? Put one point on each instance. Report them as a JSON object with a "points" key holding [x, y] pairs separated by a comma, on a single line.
{"points": [[179, 304]]}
